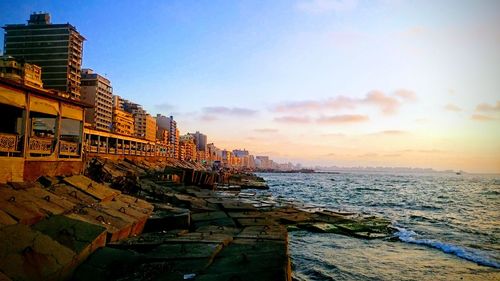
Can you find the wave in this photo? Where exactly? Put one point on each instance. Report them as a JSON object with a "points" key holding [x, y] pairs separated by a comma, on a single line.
{"points": [[473, 255]]}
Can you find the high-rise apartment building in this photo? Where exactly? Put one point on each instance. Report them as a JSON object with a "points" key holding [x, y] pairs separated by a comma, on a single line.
{"points": [[97, 91], [200, 140], [170, 125], [57, 48]]}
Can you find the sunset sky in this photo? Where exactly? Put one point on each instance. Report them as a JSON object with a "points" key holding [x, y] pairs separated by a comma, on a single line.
{"points": [[321, 82]]}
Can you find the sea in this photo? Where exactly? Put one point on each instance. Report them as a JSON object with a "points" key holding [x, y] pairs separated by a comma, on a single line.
{"points": [[448, 225]]}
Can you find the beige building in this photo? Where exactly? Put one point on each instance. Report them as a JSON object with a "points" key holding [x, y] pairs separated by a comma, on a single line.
{"points": [[187, 148], [123, 122], [97, 91], [21, 72], [150, 128]]}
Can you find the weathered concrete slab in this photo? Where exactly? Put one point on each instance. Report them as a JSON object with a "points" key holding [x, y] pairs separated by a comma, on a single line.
{"points": [[201, 237], [147, 241], [127, 213], [136, 202], [24, 212], [246, 215], [117, 228], [46, 201], [204, 216], [5, 219], [219, 229], [226, 222], [97, 190], [270, 232], [256, 221], [26, 254], [81, 237], [168, 218], [72, 194], [109, 264], [250, 260], [23, 185], [236, 205], [192, 250]]}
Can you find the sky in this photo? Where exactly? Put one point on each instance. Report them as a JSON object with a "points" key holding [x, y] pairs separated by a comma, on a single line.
{"points": [[390, 83]]}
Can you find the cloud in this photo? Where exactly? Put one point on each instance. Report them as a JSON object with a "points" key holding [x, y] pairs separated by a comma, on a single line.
{"points": [[339, 119], [430, 151], [266, 130], [340, 102], [406, 95], [164, 107], [207, 117], [484, 107], [368, 155], [481, 117], [336, 135], [452, 107], [388, 104], [233, 111], [292, 119], [392, 133], [325, 6]]}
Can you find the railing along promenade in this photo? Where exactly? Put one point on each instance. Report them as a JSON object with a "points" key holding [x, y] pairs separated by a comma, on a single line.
{"points": [[107, 143]]}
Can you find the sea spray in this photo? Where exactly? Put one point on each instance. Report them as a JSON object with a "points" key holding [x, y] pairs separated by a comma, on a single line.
{"points": [[476, 256]]}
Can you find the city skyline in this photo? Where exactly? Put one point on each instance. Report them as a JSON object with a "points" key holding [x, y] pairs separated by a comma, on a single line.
{"points": [[344, 83]]}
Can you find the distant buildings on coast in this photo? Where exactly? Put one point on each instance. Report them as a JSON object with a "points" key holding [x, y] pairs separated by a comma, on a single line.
{"points": [[79, 112]]}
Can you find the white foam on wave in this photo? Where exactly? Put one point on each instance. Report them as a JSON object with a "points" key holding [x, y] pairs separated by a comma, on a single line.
{"points": [[473, 255]]}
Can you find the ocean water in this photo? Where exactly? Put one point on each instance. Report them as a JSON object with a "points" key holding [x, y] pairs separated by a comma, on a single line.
{"points": [[449, 226]]}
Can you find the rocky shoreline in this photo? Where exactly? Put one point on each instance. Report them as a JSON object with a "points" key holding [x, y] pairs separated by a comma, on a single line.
{"points": [[145, 220]]}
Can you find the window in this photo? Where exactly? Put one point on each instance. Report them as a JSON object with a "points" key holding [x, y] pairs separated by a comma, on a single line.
{"points": [[71, 130], [43, 125]]}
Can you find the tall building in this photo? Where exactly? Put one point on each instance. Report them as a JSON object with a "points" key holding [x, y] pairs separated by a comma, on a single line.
{"points": [[150, 130], [97, 91], [187, 148], [170, 125], [123, 122], [57, 48], [21, 72], [200, 140]]}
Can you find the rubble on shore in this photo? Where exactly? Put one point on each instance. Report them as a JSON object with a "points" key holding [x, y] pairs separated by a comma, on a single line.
{"points": [[143, 220]]}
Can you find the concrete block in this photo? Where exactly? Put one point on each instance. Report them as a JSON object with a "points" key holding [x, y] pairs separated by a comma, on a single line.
{"points": [[97, 190], [81, 237], [26, 254]]}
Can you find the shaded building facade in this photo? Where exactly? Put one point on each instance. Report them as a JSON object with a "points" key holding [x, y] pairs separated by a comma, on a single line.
{"points": [[57, 48]]}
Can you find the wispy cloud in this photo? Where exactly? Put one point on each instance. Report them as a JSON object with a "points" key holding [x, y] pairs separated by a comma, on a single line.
{"points": [[207, 117], [325, 6], [406, 95], [233, 111], [342, 119], [482, 117], [452, 107], [293, 119], [388, 104], [164, 107], [484, 107], [266, 130], [392, 133], [333, 135]]}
